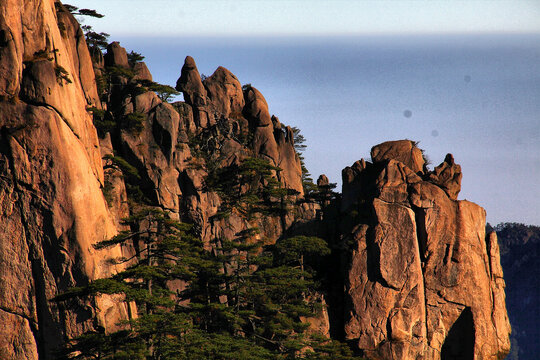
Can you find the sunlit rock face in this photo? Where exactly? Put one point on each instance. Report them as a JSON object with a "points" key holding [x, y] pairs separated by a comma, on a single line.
{"points": [[52, 208], [423, 280], [52, 172]]}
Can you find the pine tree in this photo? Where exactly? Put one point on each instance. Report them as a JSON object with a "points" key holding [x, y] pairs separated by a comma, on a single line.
{"points": [[163, 251], [242, 300], [299, 146]]}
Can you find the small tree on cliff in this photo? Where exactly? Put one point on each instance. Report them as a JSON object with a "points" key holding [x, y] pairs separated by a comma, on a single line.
{"points": [[242, 300], [163, 252], [95, 41], [299, 146]]}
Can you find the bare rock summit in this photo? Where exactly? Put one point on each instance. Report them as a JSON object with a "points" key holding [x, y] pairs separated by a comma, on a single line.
{"points": [[423, 279]]}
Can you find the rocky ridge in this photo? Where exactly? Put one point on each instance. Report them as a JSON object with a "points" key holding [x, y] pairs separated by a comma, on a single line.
{"points": [[423, 278], [419, 270]]}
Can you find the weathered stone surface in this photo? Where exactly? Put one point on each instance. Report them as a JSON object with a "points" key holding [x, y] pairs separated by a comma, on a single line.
{"points": [[190, 83], [423, 281], [420, 271], [448, 176], [499, 313], [224, 93], [114, 188], [83, 69], [116, 55], [385, 280], [277, 146], [142, 72], [18, 341], [393, 181], [288, 161], [256, 109], [404, 151], [319, 324], [53, 209], [152, 152], [322, 180]]}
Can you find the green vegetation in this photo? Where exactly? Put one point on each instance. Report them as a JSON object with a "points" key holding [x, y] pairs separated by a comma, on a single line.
{"points": [[246, 298], [307, 181], [164, 92], [95, 41], [133, 122], [102, 120], [250, 189], [240, 296], [61, 75], [134, 57], [84, 12], [119, 163], [43, 54]]}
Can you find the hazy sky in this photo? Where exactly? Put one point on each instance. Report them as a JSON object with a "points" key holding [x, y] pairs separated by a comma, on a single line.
{"points": [[477, 96], [303, 17]]}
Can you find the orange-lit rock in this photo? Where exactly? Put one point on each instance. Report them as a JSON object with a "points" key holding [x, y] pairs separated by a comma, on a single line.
{"points": [[424, 280]]}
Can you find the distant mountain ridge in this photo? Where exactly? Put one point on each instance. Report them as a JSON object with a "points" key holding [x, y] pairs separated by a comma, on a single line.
{"points": [[520, 259]]}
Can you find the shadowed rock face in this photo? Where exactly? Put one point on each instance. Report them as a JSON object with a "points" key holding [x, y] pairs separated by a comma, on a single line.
{"points": [[421, 271], [116, 55]]}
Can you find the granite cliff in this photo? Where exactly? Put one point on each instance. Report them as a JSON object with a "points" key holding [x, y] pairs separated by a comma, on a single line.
{"points": [[423, 278], [417, 275]]}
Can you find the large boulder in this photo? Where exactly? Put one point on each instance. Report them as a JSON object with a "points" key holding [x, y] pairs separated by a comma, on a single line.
{"points": [[116, 55], [404, 151], [142, 72], [423, 279], [190, 83], [224, 93]]}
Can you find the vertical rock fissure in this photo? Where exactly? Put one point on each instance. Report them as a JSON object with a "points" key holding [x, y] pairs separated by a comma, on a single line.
{"points": [[487, 244], [36, 330], [421, 232], [422, 238]]}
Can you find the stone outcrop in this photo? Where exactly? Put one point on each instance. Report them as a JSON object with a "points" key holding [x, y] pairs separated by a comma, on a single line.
{"points": [[448, 177], [423, 278], [404, 151], [52, 208], [116, 55], [216, 126]]}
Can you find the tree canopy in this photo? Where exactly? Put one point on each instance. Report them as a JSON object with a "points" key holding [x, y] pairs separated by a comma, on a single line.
{"points": [[243, 299]]}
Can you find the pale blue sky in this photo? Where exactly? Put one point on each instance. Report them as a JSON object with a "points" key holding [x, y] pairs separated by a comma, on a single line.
{"points": [[471, 93], [315, 17]]}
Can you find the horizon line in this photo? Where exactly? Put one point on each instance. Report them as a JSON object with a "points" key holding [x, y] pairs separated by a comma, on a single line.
{"points": [[331, 35]]}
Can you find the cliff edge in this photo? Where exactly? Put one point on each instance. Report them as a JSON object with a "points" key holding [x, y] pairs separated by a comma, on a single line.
{"points": [[424, 279]]}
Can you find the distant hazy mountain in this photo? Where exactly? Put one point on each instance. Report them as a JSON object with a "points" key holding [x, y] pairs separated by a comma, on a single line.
{"points": [[520, 259]]}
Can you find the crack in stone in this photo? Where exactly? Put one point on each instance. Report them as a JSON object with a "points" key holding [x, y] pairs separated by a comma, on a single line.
{"points": [[13, 312], [50, 107]]}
